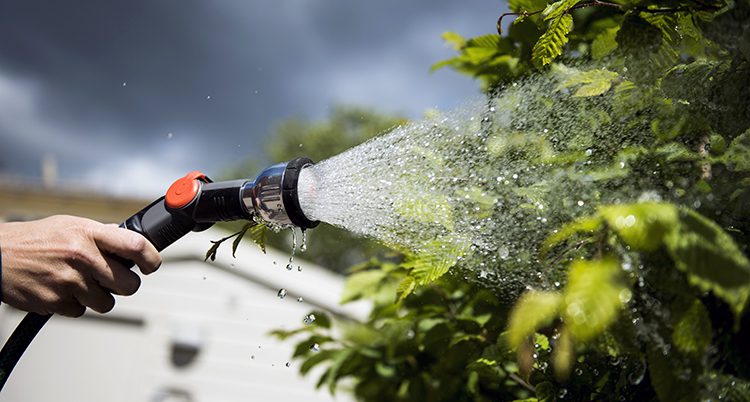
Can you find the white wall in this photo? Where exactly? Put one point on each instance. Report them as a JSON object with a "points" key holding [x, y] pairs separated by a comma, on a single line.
{"points": [[226, 308]]}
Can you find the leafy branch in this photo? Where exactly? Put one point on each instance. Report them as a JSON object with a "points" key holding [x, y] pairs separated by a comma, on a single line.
{"points": [[258, 233]]}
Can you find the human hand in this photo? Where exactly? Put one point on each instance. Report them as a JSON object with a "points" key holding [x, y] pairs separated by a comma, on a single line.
{"points": [[62, 264]]}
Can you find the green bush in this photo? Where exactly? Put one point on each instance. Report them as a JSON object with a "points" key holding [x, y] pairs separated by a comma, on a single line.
{"points": [[650, 298]]}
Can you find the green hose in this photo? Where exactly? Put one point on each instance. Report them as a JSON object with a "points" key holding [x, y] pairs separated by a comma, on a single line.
{"points": [[18, 342]]}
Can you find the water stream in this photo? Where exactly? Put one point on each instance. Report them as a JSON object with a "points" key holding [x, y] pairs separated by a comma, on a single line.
{"points": [[493, 178]]}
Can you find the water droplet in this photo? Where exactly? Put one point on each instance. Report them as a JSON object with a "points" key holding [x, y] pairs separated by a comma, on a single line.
{"points": [[289, 266], [580, 203], [282, 293], [208, 97], [124, 84], [288, 364], [299, 299], [562, 393], [252, 357], [309, 319], [303, 246], [579, 371], [503, 252], [636, 375], [315, 347], [589, 152], [299, 268]]}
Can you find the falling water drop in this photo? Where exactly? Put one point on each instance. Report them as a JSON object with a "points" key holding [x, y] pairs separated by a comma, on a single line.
{"points": [[315, 347], [309, 319], [282, 293], [303, 246]]}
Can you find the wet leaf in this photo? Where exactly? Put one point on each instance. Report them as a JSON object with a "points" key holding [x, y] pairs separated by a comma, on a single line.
{"points": [[642, 226], [592, 297], [710, 258], [534, 310], [692, 333], [551, 43]]}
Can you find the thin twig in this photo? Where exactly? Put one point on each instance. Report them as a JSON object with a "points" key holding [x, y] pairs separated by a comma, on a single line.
{"points": [[521, 382]]}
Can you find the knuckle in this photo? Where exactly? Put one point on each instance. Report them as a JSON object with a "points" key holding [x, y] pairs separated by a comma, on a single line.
{"points": [[77, 252], [68, 278], [138, 244]]}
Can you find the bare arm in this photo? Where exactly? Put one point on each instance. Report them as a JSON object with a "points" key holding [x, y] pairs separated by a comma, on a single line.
{"points": [[60, 264]]}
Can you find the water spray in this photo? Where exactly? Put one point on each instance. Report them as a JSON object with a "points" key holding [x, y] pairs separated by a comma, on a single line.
{"points": [[194, 203]]}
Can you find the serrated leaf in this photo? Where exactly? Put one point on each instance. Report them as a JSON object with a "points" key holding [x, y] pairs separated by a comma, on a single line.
{"points": [[434, 259], [407, 285], [605, 43], [430, 209], [591, 83], [710, 258], [551, 43], [257, 233], [532, 311], [641, 226], [558, 8], [692, 333], [737, 156], [592, 297]]}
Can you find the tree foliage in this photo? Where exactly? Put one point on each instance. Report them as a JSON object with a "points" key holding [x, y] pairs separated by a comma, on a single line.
{"points": [[651, 298]]}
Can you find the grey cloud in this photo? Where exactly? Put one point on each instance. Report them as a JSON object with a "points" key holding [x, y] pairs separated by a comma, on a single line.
{"points": [[259, 61]]}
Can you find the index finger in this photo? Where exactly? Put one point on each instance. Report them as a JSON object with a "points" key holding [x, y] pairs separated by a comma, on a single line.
{"points": [[130, 245]]}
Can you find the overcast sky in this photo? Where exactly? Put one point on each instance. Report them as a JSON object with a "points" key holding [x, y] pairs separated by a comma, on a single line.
{"points": [[129, 95]]}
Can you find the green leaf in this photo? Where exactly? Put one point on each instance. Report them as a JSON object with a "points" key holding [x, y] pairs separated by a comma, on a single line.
{"points": [[558, 8], [641, 226], [737, 156], [527, 5], [563, 355], [362, 284], [592, 82], [593, 297], [258, 233], [434, 259], [430, 209], [407, 285], [534, 310], [692, 333], [710, 258], [582, 225], [663, 372], [316, 359], [454, 39], [604, 43], [551, 43]]}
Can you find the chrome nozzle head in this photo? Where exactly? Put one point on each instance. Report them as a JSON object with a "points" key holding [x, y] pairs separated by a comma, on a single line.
{"points": [[273, 195]]}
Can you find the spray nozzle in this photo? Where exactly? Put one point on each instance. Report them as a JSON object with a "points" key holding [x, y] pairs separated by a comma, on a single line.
{"points": [[194, 203], [273, 195]]}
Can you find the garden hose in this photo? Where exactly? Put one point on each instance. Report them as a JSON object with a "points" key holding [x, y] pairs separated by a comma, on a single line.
{"points": [[193, 203]]}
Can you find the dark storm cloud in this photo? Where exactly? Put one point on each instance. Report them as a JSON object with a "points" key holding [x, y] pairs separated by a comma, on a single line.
{"points": [[101, 84]]}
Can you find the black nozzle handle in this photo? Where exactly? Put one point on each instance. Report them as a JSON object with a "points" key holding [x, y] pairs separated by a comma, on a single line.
{"points": [[158, 225]]}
